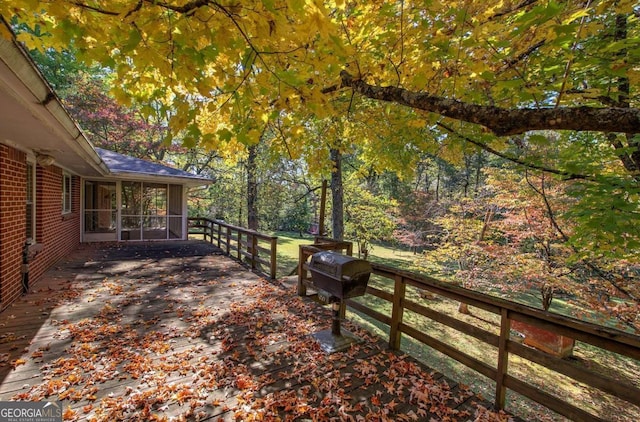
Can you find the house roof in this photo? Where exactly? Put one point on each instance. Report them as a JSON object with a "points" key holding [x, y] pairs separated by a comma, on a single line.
{"points": [[127, 166], [33, 119]]}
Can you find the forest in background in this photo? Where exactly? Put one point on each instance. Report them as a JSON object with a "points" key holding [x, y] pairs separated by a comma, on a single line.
{"points": [[543, 196], [482, 221]]}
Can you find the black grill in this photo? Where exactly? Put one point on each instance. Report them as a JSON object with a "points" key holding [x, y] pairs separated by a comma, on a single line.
{"points": [[339, 276]]}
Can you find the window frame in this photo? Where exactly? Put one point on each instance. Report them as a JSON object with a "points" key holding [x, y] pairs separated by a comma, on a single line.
{"points": [[67, 193]]}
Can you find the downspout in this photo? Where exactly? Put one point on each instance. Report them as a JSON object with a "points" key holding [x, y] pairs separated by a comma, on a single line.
{"points": [[29, 252]]}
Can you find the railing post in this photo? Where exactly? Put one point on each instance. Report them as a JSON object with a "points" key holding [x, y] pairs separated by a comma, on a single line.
{"points": [[219, 233], [228, 240], [254, 250], [397, 312], [503, 359], [302, 289], [209, 230], [274, 257], [239, 244]]}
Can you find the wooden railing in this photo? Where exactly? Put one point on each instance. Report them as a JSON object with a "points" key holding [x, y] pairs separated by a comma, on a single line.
{"points": [[257, 248], [403, 292]]}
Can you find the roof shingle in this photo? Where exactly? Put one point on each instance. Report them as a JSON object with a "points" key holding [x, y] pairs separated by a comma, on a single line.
{"points": [[119, 163]]}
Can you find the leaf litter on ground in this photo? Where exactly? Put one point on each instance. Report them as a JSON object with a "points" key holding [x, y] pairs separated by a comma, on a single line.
{"points": [[161, 345]]}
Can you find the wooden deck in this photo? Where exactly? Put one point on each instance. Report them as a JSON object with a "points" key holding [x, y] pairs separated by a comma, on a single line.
{"points": [[180, 332]]}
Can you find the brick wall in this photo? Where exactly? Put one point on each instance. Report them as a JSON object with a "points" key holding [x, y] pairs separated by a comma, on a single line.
{"points": [[13, 196], [58, 233]]}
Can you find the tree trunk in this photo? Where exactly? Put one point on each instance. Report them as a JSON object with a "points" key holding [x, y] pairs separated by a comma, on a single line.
{"points": [[629, 151], [438, 184], [485, 225], [479, 165], [337, 196], [252, 189]]}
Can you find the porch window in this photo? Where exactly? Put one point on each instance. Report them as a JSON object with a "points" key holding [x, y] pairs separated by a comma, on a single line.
{"points": [[151, 211], [100, 209], [66, 193], [175, 212], [131, 211], [31, 203]]}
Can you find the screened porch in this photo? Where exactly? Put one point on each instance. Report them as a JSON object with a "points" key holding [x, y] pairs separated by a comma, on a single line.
{"points": [[133, 210]]}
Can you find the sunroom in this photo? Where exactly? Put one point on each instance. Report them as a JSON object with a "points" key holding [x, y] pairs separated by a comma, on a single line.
{"points": [[138, 201]]}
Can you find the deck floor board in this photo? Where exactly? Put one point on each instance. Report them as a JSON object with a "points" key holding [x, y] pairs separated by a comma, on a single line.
{"points": [[180, 331]]}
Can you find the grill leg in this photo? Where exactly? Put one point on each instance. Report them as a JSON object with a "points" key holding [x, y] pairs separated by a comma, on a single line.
{"points": [[335, 323], [334, 340]]}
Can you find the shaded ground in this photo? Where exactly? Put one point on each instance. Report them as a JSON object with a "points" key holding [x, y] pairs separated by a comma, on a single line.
{"points": [[161, 331]]}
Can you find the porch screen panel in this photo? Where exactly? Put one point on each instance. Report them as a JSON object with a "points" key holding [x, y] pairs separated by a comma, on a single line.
{"points": [[99, 207], [175, 212], [131, 211], [154, 211]]}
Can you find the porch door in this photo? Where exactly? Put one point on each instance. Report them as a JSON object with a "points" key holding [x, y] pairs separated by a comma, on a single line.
{"points": [[151, 211], [100, 211]]}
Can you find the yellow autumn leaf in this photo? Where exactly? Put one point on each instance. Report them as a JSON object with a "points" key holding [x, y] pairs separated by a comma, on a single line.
{"points": [[18, 362], [417, 123]]}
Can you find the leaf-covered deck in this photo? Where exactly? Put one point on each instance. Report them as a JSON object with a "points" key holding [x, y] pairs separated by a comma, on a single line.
{"points": [[178, 331]]}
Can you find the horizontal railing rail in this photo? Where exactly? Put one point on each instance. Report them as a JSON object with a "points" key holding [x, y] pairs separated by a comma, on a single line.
{"points": [[393, 288], [258, 249]]}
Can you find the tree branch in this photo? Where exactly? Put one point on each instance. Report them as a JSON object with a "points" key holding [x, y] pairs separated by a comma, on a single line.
{"points": [[186, 8], [605, 275], [565, 174], [502, 121]]}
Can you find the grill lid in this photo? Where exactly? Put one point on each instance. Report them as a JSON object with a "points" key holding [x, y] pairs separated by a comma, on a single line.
{"points": [[338, 266]]}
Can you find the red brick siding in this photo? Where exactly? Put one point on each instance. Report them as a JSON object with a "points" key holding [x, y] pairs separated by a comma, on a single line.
{"points": [[13, 196], [59, 234]]}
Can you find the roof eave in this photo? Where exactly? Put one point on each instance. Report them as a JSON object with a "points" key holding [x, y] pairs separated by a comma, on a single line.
{"points": [[36, 95], [169, 179]]}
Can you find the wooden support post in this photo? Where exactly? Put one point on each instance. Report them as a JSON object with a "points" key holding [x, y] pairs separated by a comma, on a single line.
{"points": [[254, 251], [228, 240], [302, 289], [323, 206], [397, 312], [239, 246], [274, 258], [503, 359], [219, 234]]}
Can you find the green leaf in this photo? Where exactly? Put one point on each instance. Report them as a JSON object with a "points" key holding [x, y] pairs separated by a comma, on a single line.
{"points": [[225, 135], [134, 39]]}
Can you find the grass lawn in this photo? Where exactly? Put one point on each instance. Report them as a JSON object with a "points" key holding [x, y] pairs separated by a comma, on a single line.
{"points": [[611, 364], [288, 243]]}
